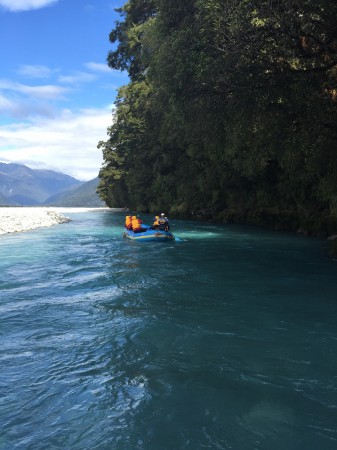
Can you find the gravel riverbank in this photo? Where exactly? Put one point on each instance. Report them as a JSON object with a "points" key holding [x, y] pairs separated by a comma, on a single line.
{"points": [[17, 219]]}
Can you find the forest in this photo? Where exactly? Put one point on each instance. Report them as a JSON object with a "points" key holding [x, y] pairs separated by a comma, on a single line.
{"points": [[230, 112]]}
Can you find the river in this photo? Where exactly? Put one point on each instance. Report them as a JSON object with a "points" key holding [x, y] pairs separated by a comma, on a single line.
{"points": [[226, 339]]}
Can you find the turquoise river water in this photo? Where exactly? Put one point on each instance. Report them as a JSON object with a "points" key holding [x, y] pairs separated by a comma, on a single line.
{"points": [[226, 339]]}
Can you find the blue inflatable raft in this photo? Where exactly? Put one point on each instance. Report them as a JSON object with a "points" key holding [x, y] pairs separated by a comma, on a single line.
{"points": [[149, 235]]}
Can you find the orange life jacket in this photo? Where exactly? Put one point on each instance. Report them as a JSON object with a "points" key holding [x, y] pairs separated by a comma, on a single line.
{"points": [[156, 223], [136, 223], [128, 222]]}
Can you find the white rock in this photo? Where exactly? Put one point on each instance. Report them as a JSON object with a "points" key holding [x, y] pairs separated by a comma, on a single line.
{"points": [[15, 219]]}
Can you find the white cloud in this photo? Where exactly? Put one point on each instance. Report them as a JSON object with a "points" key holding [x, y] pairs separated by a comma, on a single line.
{"points": [[48, 91], [77, 77], [35, 71], [25, 5], [25, 109], [25, 100], [5, 103], [67, 143], [98, 67], [21, 100]]}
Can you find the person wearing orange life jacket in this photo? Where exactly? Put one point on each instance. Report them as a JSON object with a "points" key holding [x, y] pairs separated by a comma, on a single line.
{"points": [[128, 222], [163, 222], [134, 223], [155, 223], [137, 225]]}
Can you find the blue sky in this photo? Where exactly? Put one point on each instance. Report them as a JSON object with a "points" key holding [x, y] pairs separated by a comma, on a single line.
{"points": [[56, 90]]}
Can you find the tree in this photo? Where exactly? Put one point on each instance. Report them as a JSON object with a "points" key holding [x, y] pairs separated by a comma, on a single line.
{"points": [[231, 106]]}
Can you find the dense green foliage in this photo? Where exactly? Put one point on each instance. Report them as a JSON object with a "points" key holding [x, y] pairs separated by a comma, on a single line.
{"points": [[231, 108]]}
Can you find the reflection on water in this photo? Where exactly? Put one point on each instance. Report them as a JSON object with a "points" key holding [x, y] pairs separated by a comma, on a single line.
{"points": [[225, 340]]}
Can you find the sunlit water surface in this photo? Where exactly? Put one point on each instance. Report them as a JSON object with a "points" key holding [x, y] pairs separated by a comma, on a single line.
{"points": [[224, 340]]}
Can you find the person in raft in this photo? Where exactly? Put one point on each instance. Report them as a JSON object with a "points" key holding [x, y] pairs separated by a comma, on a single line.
{"points": [[155, 225], [137, 225], [163, 222], [128, 222]]}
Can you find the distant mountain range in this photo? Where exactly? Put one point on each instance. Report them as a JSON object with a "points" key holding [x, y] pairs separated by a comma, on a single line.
{"points": [[22, 186], [5, 201], [84, 195]]}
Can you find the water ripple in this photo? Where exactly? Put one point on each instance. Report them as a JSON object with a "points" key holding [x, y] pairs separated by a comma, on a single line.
{"points": [[224, 340]]}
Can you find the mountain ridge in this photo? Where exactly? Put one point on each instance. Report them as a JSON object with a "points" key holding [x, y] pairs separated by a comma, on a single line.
{"points": [[22, 186], [80, 196]]}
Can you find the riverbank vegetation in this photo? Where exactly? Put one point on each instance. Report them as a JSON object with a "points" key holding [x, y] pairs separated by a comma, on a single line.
{"points": [[230, 112]]}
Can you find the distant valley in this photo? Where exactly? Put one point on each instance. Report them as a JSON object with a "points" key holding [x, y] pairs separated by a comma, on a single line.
{"points": [[23, 186]]}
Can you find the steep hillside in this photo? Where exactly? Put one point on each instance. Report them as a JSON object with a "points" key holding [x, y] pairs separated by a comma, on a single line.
{"points": [[230, 112], [5, 202], [81, 196], [25, 186]]}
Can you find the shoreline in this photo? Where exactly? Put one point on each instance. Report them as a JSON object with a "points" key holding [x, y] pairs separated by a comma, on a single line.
{"points": [[16, 219]]}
